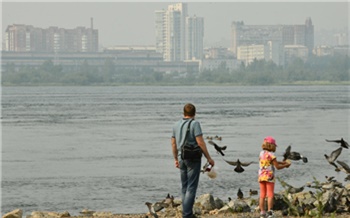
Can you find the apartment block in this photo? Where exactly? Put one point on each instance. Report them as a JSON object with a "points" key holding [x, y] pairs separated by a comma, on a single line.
{"points": [[248, 53], [243, 35], [26, 38]]}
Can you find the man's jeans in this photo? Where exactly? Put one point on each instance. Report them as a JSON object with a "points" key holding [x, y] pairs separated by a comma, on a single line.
{"points": [[190, 171]]}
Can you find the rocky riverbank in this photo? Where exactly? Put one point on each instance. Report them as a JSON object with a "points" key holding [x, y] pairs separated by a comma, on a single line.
{"points": [[324, 199]]}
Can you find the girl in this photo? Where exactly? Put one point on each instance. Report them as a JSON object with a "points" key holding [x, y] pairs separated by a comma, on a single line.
{"points": [[268, 162]]}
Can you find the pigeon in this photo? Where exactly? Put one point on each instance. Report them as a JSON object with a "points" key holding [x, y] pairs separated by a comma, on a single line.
{"points": [[287, 153], [294, 190], [87, 212], [240, 194], [151, 209], [238, 165], [334, 155], [330, 179], [345, 167], [209, 137], [343, 143], [218, 138], [253, 192], [292, 155], [218, 148], [169, 200], [290, 189]]}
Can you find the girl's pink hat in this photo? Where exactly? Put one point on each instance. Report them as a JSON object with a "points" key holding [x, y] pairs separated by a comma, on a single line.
{"points": [[270, 140]]}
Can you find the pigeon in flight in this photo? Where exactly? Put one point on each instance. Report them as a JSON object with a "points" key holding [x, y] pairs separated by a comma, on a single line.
{"points": [[333, 156], [238, 165], [343, 143], [290, 189], [218, 148], [345, 167], [292, 155]]}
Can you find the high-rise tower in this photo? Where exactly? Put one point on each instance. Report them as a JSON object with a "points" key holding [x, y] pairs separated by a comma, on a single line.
{"points": [[170, 32], [194, 37]]}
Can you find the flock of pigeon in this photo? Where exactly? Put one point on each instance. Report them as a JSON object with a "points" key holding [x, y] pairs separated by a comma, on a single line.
{"points": [[334, 156], [288, 154]]}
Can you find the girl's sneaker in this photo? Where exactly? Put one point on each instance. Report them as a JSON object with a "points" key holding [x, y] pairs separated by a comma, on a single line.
{"points": [[262, 215], [270, 214]]}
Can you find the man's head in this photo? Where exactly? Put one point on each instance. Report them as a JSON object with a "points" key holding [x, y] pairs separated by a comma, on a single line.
{"points": [[189, 110]]}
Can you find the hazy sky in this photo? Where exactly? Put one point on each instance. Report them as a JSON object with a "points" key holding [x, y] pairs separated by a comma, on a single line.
{"points": [[132, 23]]}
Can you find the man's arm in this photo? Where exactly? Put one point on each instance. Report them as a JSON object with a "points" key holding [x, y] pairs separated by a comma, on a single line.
{"points": [[203, 146], [175, 152]]}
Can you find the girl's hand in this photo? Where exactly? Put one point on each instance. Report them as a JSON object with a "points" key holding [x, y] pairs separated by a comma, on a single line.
{"points": [[287, 163]]}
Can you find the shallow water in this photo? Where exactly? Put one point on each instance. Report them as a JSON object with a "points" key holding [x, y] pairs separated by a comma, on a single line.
{"points": [[108, 148]]}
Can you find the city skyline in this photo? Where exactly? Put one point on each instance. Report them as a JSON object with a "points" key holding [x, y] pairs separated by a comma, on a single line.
{"points": [[133, 23]]}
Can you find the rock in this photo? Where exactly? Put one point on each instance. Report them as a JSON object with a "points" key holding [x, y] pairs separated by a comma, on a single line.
{"points": [[218, 203], [47, 214], [207, 202], [279, 203], [241, 206], [102, 214], [14, 214], [237, 205]]}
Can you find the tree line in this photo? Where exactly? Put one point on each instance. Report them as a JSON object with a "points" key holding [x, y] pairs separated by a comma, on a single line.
{"points": [[327, 69]]}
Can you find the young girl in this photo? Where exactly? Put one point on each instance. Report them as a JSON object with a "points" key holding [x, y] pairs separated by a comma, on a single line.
{"points": [[268, 162]]}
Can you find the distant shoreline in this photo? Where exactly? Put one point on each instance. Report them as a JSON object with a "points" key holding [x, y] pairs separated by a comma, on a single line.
{"points": [[299, 83]]}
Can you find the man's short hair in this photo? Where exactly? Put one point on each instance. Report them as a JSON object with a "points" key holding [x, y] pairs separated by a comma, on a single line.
{"points": [[189, 110]]}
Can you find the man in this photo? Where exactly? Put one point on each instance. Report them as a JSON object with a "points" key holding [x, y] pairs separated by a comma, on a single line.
{"points": [[189, 169]]}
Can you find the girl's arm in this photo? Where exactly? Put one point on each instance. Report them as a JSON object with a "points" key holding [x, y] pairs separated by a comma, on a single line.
{"points": [[280, 164]]}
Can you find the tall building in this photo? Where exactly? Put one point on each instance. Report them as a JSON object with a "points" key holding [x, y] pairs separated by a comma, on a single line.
{"points": [[284, 34], [194, 38], [173, 49], [178, 37], [159, 30], [26, 38]]}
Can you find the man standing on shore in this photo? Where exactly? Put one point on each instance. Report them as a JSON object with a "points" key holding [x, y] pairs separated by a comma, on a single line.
{"points": [[189, 168]]}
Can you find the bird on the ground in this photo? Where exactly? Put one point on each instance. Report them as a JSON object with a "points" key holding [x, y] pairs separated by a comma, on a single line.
{"points": [[218, 148], [293, 155], [218, 137], [238, 165], [333, 156], [169, 200], [240, 194], [344, 167], [209, 137], [253, 192], [151, 209], [87, 212], [342, 142]]}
